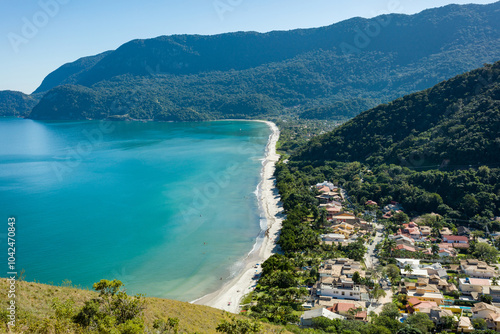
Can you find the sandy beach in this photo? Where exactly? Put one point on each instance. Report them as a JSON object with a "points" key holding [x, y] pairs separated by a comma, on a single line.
{"points": [[229, 296]]}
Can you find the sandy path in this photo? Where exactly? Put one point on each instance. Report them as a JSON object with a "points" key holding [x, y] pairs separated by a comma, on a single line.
{"points": [[229, 296]]}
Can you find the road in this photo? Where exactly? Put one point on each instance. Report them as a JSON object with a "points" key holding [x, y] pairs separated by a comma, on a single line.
{"points": [[371, 262]]}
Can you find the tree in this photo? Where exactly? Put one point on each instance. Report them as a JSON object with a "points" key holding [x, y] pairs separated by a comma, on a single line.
{"points": [[435, 249], [486, 299], [494, 281], [486, 252], [356, 277], [479, 324], [171, 325], [113, 309], [390, 310], [409, 269], [447, 322], [409, 330], [393, 272], [421, 321], [377, 292], [238, 326]]}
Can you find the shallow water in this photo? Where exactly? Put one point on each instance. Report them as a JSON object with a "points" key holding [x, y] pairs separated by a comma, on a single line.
{"points": [[168, 208]]}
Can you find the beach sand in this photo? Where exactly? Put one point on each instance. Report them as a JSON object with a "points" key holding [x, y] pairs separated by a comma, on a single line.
{"points": [[229, 296]]}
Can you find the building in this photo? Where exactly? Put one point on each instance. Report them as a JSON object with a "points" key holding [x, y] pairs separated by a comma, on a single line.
{"points": [[308, 316], [346, 310], [422, 295], [455, 239], [345, 217], [333, 237], [425, 231], [473, 286], [414, 263], [406, 248], [489, 313], [402, 240], [477, 269], [445, 231], [463, 231], [464, 325], [438, 315], [341, 288]]}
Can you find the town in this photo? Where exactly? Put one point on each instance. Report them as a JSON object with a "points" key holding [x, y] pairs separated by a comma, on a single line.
{"points": [[419, 266]]}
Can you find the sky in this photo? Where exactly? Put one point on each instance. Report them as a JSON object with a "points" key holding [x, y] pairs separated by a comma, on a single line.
{"points": [[38, 36]]}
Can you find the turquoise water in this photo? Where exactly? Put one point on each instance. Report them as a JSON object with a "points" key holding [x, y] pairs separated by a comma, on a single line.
{"points": [[168, 208]]}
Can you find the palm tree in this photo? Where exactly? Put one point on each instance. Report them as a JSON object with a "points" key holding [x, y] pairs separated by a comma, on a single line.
{"points": [[409, 269], [494, 280], [390, 244], [435, 249]]}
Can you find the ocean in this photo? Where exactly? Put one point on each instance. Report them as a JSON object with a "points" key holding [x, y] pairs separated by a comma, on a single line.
{"points": [[170, 209]]}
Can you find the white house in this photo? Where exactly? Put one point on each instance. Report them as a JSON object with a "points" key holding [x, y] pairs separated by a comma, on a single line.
{"points": [[334, 237], [414, 263], [308, 316]]}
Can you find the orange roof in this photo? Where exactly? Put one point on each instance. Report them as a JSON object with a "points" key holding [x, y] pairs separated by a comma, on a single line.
{"points": [[342, 307]]}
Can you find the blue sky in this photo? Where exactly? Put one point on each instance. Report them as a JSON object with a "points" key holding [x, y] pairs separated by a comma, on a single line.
{"points": [[37, 36]]}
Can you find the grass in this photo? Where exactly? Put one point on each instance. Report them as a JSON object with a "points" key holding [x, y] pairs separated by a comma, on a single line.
{"points": [[34, 301]]}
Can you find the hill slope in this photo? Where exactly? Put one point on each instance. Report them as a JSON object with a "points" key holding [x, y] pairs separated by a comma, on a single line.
{"points": [[456, 122], [35, 313], [354, 64], [16, 103]]}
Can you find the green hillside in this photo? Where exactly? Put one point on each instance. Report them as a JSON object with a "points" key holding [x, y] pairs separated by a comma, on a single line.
{"points": [[455, 123], [47, 309], [329, 72]]}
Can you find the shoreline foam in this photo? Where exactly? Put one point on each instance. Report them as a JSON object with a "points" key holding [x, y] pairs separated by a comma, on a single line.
{"points": [[228, 297]]}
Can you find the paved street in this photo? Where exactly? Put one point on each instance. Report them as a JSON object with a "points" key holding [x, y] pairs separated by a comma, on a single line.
{"points": [[371, 262]]}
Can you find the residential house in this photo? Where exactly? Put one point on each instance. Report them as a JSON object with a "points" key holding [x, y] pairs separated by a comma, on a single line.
{"points": [[422, 290], [436, 269], [414, 263], [332, 210], [416, 305], [455, 239], [477, 269], [330, 185], [333, 237], [445, 231], [402, 240], [489, 313], [494, 292], [425, 231], [345, 217], [406, 248], [341, 288], [306, 319], [446, 253], [473, 286], [438, 315], [464, 325], [463, 231], [370, 202], [346, 310]]}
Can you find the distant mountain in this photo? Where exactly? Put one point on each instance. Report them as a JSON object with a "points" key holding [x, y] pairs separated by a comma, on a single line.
{"points": [[456, 122], [16, 103], [325, 72], [69, 73]]}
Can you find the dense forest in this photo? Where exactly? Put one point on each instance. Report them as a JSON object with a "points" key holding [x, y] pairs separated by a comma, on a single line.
{"points": [[437, 150], [16, 103], [331, 72]]}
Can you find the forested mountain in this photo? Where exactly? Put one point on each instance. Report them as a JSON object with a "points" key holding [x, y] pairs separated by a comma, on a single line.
{"points": [[16, 103], [455, 123], [333, 71], [437, 150]]}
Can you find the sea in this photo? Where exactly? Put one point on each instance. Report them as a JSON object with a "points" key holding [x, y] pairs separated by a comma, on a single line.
{"points": [[170, 209]]}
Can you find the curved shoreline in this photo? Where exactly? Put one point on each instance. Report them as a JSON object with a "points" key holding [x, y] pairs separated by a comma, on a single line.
{"points": [[228, 297]]}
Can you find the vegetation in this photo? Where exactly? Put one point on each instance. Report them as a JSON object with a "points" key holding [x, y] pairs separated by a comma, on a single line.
{"points": [[16, 103], [322, 73], [54, 309]]}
